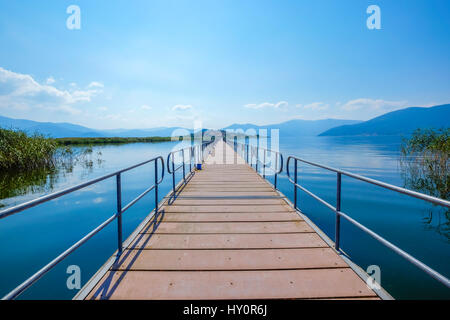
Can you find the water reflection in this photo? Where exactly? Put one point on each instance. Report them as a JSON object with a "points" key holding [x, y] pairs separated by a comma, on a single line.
{"points": [[43, 180], [425, 167], [438, 220]]}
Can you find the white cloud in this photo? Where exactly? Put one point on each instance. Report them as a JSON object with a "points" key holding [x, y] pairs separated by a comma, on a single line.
{"points": [[374, 105], [50, 80], [102, 108], [98, 200], [95, 84], [277, 105], [181, 107], [21, 91], [146, 107]]}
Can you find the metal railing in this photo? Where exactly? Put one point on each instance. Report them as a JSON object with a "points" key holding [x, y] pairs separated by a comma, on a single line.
{"points": [[251, 152], [294, 180], [196, 155], [191, 156], [117, 216]]}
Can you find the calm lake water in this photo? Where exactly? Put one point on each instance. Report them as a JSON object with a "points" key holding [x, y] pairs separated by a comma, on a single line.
{"points": [[30, 239]]}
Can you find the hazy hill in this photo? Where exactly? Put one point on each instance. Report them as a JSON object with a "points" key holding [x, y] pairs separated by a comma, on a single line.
{"points": [[402, 121], [297, 127]]}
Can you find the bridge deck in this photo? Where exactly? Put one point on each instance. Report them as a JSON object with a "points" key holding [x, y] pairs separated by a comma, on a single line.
{"points": [[229, 235]]}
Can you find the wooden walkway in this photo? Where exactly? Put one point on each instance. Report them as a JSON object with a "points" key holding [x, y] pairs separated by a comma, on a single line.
{"points": [[229, 235]]}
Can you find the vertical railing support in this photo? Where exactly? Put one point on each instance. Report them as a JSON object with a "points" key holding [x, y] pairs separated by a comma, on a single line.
{"points": [[156, 186], [264, 164], [338, 210], [173, 175], [247, 152], [119, 213], [257, 156], [184, 169], [190, 158], [295, 184], [276, 169]]}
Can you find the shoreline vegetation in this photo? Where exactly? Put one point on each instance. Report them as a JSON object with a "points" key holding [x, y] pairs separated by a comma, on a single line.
{"points": [[425, 162], [110, 140], [425, 165], [34, 162], [23, 152]]}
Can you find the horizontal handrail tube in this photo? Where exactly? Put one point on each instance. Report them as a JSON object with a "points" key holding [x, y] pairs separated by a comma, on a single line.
{"points": [[36, 276], [171, 155], [385, 185], [27, 283], [254, 150], [139, 197], [13, 210], [329, 206], [195, 153], [433, 273]]}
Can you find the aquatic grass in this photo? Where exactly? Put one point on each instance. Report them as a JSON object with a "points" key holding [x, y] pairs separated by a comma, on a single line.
{"points": [[109, 140], [23, 152], [425, 160]]}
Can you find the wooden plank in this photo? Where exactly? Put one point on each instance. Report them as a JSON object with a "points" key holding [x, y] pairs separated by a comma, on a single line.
{"points": [[224, 202], [243, 184], [236, 208], [231, 227], [205, 285], [226, 217], [229, 241], [229, 194], [228, 188], [224, 177], [218, 172], [267, 259]]}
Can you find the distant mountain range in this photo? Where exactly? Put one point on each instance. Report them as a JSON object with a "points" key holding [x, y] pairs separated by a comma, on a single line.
{"points": [[403, 121], [393, 123], [67, 130], [297, 127]]}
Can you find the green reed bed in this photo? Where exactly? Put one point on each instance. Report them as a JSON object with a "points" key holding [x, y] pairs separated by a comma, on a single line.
{"points": [[425, 161], [114, 140], [20, 151]]}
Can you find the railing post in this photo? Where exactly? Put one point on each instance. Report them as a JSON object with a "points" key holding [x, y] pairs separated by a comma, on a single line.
{"points": [[190, 159], [173, 174], [119, 213], [264, 164], [276, 169], [338, 209], [295, 184], [257, 156], [156, 186], [184, 169], [247, 152]]}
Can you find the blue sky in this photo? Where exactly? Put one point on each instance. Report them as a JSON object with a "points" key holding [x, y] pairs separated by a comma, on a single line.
{"points": [[142, 64]]}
